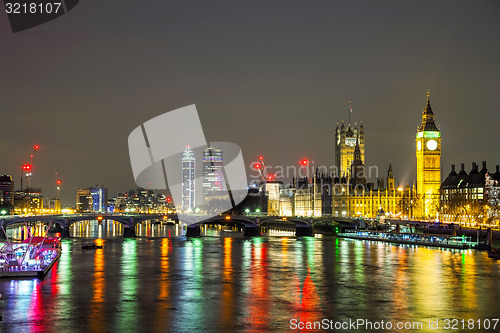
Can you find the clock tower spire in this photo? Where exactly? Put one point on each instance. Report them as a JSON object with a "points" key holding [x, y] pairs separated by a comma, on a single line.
{"points": [[428, 144]]}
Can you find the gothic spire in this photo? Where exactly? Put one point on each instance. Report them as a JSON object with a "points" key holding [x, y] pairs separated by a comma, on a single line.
{"points": [[428, 117], [428, 109]]}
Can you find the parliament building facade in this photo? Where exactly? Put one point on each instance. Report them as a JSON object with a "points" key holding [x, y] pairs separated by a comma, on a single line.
{"points": [[346, 192]]}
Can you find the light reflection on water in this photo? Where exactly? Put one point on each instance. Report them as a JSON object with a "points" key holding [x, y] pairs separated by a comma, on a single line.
{"points": [[247, 284]]}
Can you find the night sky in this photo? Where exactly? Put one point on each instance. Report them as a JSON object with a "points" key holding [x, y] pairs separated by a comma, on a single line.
{"points": [[273, 77]]}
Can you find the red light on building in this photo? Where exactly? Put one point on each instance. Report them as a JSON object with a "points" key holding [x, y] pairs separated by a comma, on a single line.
{"points": [[58, 182], [27, 167], [36, 147], [304, 162], [261, 157], [169, 199]]}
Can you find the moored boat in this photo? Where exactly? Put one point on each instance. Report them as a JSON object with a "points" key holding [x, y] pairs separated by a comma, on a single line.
{"points": [[411, 239], [33, 257], [91, 246]]}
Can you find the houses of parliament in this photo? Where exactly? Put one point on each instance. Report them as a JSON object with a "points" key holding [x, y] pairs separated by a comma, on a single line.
{"points": [[346, 192]]}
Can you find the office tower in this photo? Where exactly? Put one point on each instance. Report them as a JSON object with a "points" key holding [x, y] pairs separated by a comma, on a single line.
{"points": [[188, 180], [7, 188], [213, 179], [83, 201], [99, 199]]}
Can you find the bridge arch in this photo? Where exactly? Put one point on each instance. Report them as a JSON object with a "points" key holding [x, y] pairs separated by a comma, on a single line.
{"points": [[301, 223], [47, 219], [246, 222]]}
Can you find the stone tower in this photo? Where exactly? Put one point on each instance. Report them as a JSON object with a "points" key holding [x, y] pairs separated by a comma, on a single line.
{"points": [[428, 148], [346, 139]]}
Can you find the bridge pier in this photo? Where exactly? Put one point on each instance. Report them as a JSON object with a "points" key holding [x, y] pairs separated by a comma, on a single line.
{"points": [[489, 237], [129, 229], [129, 232], [2, 232], [304, 231], [63, 230], [193, 231], [251, 231]]}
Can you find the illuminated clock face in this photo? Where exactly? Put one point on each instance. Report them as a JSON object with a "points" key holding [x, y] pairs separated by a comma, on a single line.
{"points": [[432, 144], [419, 145]]}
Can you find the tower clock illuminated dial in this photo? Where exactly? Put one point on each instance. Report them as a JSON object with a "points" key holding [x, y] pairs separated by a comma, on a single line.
{"points": [[432, 144], [419, 145]]}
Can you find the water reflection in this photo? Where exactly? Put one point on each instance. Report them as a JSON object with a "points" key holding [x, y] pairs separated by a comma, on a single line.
{"points": [[162, 314], [258, 298], [127, 308], [247, 284], [227, 308], [97, 310]]}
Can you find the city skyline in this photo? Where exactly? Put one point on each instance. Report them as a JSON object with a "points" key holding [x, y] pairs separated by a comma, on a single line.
{"points": [[383, 63], [355, 136]]}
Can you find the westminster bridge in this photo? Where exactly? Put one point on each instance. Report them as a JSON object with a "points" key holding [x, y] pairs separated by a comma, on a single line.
{"points": [[251, 225]]}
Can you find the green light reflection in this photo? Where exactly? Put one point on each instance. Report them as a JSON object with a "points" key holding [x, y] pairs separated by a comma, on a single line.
{"points": [[129, 286], [192, 289]]}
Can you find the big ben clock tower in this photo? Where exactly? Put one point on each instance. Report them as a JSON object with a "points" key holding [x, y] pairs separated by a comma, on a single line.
{"points": [[428, 144]]}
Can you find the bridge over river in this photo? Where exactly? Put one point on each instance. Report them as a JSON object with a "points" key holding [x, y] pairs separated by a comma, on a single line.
{"points": [[251, 225]]}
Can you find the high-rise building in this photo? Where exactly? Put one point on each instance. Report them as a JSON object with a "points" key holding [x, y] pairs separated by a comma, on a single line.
{"points": [[213, 179], [55, 205], [188, 180], [29, 200], [7, 188], [83, 201], [345, 145], [99, 199], [428, 149]]}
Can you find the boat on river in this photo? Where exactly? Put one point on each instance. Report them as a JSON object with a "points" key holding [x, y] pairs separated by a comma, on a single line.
{"points": [[33, 257], [411, 239], [92, 246]]}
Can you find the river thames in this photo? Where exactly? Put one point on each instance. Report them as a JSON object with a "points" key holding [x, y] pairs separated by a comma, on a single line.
{"points": [[224, 282]]}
